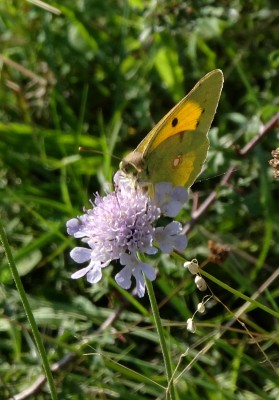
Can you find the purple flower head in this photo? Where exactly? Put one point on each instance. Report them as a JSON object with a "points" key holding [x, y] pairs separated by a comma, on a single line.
{"points": [[121, 225]]}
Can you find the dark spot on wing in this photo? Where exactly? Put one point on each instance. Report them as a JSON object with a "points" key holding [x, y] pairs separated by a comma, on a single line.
{"points": [[198, 121], [174, 122]]}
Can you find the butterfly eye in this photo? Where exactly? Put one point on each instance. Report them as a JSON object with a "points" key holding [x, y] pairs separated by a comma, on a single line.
{"points": [[132, 164], [127, 167]]}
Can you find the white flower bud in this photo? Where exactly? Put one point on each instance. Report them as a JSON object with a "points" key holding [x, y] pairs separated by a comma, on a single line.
{"points": [[200, 283], [193, 266], [201, 308], [191, 327]]}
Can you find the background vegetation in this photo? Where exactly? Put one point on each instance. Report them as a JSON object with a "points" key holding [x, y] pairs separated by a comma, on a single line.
{"points": [[100, 74]]}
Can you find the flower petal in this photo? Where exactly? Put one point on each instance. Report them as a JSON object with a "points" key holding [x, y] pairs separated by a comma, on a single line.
{"points": [[95, 275], [162, 190], [180, 242], [123, 278], [80, 272], [151, 250], [140, 283], [173, 228], [80, 254], [73, 226], [148, 271], [180, 194]]}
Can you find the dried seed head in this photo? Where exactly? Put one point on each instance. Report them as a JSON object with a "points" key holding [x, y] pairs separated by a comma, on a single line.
{"points": [[218, 252], [275, 162]]}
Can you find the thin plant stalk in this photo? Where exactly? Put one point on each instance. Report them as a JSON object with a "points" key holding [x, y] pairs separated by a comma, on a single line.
{"points": [[28, 312], [160, 331]]}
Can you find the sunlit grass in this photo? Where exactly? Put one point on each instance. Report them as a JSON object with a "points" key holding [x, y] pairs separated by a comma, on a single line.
{"points": [[99, 75]]}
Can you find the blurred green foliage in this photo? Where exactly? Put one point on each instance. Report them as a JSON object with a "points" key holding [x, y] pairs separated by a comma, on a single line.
{"points": [[100, 74]]}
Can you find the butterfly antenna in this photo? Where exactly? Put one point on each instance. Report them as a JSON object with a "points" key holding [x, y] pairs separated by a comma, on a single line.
{"points": [[87, 150]]}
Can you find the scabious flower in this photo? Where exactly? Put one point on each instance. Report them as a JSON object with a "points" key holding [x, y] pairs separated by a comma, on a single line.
{"points": [[121, 226]]}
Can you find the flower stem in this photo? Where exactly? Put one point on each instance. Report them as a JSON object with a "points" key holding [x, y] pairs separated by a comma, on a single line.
{"points": [[28, 312], [159, 327]]}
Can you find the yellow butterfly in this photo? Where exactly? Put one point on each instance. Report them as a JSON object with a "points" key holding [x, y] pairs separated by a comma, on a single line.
{"points": [[175, 149]]}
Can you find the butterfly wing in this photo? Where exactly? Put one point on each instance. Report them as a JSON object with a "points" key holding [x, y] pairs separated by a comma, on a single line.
{"points": [[175, 149]]}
